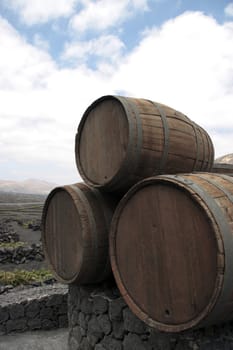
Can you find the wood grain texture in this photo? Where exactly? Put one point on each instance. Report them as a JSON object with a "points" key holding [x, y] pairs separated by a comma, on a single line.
{"points": [[171, 249], [75, 229], [122, 140], [222, 168], [103, 141]]}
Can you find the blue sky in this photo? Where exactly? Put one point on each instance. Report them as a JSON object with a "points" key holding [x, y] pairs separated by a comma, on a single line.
{"points": [[58, 56]]}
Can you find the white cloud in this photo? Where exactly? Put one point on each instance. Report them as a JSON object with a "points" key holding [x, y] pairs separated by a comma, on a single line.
{"points": [[229, 10], [41, 105], [104, 49], [22, 66], [41, 11], [40, 42], [187, 64], [102, 14]]}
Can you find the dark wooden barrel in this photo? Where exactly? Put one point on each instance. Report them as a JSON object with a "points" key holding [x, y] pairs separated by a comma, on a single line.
{"points": [[222, 168], [75, 229], [122, 140], [171, 250]]}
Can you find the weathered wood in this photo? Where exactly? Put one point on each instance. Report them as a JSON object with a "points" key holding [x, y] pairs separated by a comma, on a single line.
{"points": [[171, 247], [75, 229], [122, 140], [222, 168]]}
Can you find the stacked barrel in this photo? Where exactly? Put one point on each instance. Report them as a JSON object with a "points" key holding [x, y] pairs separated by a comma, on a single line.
{"points": [[223, 168], [151, 210]]}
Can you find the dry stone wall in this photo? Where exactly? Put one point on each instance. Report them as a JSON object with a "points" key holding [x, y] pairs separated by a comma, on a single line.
{"points": [[21, 254], [35, 308], [99, 319], [7, 233]]}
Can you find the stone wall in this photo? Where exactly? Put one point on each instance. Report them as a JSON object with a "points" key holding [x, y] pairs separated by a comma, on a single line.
{"points": [[7, 233], [34, 308], [21, 254], [99, 319]]}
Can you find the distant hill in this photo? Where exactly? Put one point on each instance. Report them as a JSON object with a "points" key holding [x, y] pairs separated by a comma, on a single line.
{"points": [[227, 159], [32, 186]]}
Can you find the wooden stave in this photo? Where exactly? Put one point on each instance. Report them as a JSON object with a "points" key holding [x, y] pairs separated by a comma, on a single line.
{"points": [[215, 311], [131, 163], [222, 168], [79, 194]]}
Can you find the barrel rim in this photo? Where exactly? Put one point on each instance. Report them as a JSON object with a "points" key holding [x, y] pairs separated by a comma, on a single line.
{"points": [[219, 281], [65, 188], [78, 139]]}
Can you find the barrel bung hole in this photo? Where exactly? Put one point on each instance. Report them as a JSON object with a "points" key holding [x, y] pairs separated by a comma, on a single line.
{"points": [[167, 313]]}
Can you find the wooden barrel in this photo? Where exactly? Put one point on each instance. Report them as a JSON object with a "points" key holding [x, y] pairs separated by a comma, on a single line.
{"points": [[222, 168], [171, 250], [122, 140], [75, 229]]}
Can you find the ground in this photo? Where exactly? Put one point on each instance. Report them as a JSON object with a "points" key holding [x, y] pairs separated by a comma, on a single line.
{"points": [[21, 213], [37, 340]]}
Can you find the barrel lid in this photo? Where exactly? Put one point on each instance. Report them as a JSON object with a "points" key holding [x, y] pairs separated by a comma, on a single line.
{"points": [[164, 254], [102, 140], [62, 234]]}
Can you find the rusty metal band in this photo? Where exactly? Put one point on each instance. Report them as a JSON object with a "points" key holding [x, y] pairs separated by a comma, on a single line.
{"points": [[226, 292], [133, 153], [166, 138], [207, 158], [227, 177], [211, 152], [219, 187], [195, 127], [206, 163]]}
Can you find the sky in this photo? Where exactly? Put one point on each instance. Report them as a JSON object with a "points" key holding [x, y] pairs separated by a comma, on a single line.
{"points": [[58, 56]]}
